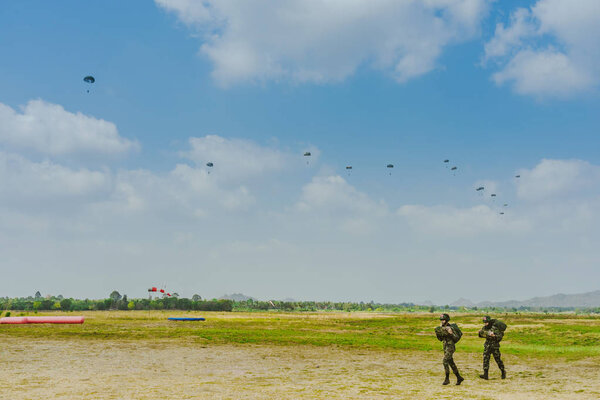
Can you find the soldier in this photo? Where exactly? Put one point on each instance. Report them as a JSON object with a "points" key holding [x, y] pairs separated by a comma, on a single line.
{"points": [[493, 335], [447, 335]]}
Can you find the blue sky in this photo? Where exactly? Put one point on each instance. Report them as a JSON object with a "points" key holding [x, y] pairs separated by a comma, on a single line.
{"points": [[119, 197]]}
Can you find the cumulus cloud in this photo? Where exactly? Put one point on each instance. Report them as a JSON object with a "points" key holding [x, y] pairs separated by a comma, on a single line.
{"points": [[336, 195], [331, 199], [49, 129], [235, 159], [25, 180], [452, 222], [549, 50], [558, 179], [300, 40]]}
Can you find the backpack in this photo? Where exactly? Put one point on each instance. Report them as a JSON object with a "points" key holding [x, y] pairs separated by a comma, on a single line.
{"points": [[501, 326], [456, 331]]}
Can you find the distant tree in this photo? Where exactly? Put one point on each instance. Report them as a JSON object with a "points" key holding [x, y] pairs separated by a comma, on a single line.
{"points": [[56, 305], [47, 304], [59, 297], [38, 295], [66, 304], [196, 297], [131, 305], [115, 296], [431, 309]]}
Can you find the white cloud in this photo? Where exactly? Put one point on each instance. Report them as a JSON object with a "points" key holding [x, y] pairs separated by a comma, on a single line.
{"points": [[452, 222], [332, 201], [334, 195], [558, 179], [549, 50], [326, 41], [25, 180], [49, 129], [236, 159]]}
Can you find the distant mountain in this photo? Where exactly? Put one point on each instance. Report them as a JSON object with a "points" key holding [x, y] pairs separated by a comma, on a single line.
{"points": [[236, 297], [462, 302], [582, 300], [426, 303]]}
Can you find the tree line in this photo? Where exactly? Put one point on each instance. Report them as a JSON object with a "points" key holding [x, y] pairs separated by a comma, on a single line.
{"points": [[116, 301]]}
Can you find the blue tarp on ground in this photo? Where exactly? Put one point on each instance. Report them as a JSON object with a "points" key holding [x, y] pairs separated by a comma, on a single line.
{"points": [[186, 319]]}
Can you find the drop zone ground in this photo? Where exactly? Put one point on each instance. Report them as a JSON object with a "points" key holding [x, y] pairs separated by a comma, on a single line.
{"points": [[141, 355]]}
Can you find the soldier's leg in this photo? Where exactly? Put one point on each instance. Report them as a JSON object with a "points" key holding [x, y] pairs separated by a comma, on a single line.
{"points": [[497, 357], [486, 362], [446, 365], [447, 359]]}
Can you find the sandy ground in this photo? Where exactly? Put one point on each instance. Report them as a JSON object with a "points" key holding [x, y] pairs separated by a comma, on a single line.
{"points": [[55, 369]]}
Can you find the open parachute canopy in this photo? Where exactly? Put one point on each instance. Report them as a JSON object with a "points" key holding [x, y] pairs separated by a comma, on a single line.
{"points": [[446, 161], [493, 194], [480, 188], [453, 168], [390, 165], [307, 154], [209, 164], [349, 167], [89, 79], [517, 176]]}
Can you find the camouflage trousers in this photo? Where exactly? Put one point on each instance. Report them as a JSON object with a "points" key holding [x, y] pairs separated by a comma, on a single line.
{"points": [[448, 361], [488, 351]]}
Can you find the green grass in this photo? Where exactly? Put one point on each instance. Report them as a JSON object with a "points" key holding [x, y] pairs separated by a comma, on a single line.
{"points": [[534, 335]]}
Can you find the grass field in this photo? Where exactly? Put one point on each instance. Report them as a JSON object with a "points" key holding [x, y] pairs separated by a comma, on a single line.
{"points": [[294, 355]]}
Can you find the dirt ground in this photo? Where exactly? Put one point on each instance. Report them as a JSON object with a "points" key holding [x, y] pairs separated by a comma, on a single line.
{"points": [[61, 369]]}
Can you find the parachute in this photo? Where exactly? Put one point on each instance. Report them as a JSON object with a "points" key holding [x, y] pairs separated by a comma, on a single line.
{"points": [[89, 79], [517, 176], [307, 154], [480, 188], [209, 164], [505, 204], [446, 161], [453, 168], [501, 213], [493, 194], [390, 166], [349, 167]]}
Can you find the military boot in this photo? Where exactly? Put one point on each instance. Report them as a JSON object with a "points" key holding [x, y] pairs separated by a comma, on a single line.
{"points": [[447, 380], [459, 379], [503, 371], [485, 374]]}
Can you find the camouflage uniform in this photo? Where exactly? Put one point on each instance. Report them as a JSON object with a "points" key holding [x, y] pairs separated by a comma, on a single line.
{"points": [[491, 346], [449, 349], [448, 339]]}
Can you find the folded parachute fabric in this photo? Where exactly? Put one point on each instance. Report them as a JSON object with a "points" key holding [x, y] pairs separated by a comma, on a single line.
{"points": [[42, 320]]}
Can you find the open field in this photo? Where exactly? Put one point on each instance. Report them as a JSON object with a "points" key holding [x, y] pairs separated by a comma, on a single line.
{"points": [[139, 355]]}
